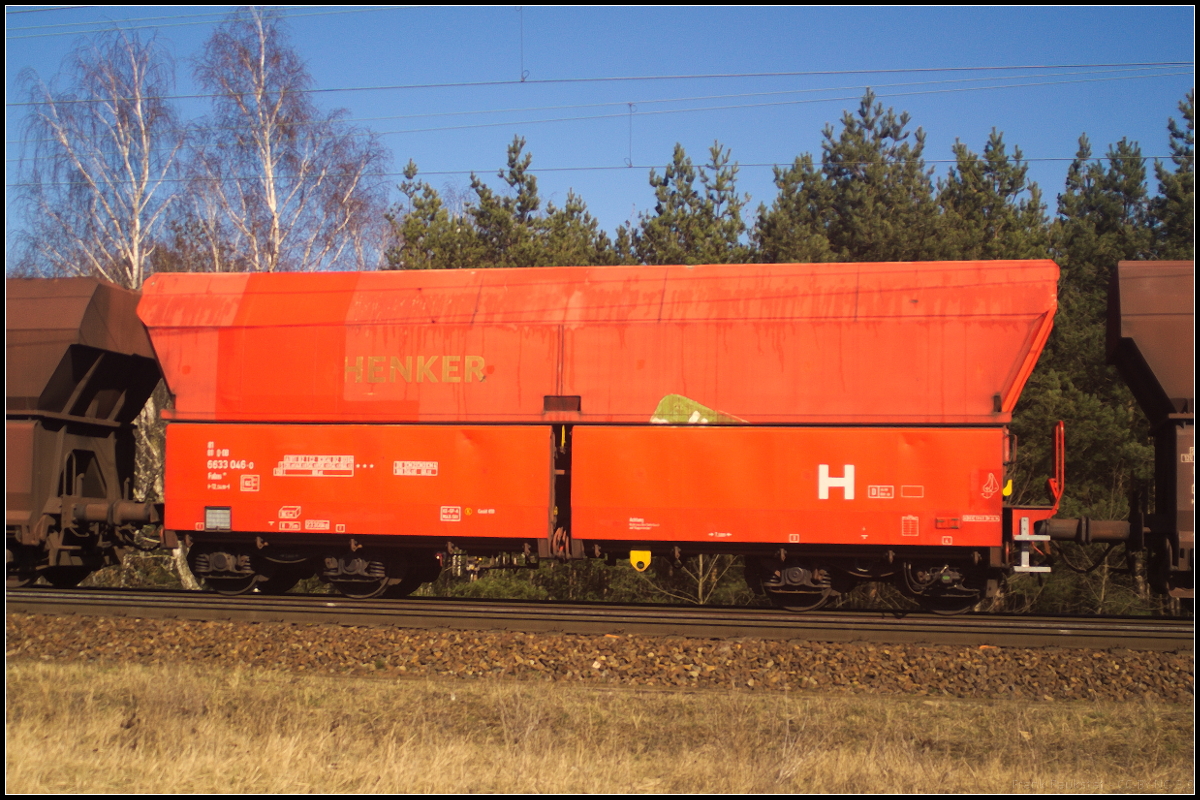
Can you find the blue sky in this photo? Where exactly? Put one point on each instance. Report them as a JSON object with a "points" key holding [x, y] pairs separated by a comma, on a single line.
{"points": [[763, 120]]}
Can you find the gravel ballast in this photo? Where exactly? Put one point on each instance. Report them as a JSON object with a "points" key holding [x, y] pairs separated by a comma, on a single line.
{"points": [[668, 662]]}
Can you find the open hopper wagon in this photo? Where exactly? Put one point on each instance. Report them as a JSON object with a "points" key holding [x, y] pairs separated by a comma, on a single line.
{"points": [[830, 423]]}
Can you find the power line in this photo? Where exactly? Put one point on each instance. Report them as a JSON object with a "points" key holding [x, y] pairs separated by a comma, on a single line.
{"points": [[622, 115], [185, 24], [43, 10], [136, 19], [94, 22], [619, 79], [625, 103], [659, 101]]}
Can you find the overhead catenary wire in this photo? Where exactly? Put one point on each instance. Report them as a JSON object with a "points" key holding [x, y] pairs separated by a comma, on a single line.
{"points": [[630, 104], [758, 105], [636, 78], [44, 10], [217, 14], [185, 24], [695, 98]]}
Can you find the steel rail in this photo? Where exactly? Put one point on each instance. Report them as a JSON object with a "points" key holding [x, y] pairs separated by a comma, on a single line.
{"points": [[597, 618]]}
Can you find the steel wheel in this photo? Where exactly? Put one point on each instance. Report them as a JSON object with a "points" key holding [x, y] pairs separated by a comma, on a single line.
{"points": [[65, 577], [800, 601], [282, 580], [362, 590], [18, 573], [232, 586], [406, 586], [19, 580], [948, 606]]}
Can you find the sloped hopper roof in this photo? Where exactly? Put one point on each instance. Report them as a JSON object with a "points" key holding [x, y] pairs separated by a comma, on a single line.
{"points": [[760, 344], [56, 329], [1151, 329]]}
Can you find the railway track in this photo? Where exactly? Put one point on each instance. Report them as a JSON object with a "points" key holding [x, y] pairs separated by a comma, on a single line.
{"points": [[648, 620]]}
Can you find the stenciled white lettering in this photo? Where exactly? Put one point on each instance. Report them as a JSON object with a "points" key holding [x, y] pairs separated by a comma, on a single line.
{"points": [[825, 482]]}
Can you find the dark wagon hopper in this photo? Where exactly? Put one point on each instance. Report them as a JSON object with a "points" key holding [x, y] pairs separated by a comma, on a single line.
{"points": [[79, 368], [1151, 339]]}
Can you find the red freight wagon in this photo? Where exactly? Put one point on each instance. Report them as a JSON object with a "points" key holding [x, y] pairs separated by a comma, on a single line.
{"points": [[830, 422]]}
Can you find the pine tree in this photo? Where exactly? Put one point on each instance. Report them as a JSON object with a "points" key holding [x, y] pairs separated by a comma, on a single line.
{"points": [[494, 229], [872, 199], [425, 234], [506, 225], [795, 229], [1103, 218], [1175, 209], [572, 237], [989, 208], [690, 224]]}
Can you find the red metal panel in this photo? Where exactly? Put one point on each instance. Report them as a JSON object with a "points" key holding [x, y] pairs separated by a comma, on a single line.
{"points": [[726, 485], [415, 480], [776, 343]]}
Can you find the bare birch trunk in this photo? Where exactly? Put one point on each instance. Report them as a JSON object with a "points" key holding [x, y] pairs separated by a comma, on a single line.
{"points": [[148, 472]]}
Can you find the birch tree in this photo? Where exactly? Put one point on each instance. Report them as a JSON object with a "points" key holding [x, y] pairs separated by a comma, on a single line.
{"points": [[103, 147], [297, 189], [102, 150]]}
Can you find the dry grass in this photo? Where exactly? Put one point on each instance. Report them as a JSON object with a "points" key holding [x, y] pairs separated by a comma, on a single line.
{"points": [[88, 728]]}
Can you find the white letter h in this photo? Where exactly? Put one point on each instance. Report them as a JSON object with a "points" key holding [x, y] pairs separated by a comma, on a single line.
{"points": [[845, 483]]}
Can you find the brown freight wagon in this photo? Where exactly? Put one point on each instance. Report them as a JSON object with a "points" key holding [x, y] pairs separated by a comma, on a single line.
{"points": [[78, 370]]}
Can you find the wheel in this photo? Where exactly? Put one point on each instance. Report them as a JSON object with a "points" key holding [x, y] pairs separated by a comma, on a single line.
{"points": [[224, 571], [232, 586], [364, 574], [419, 570], [19, 568], [19, 580], [800, 601], [65, 577], [407, 585], [948, 606], [945, 589], [282, 580], [362, 590]]}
